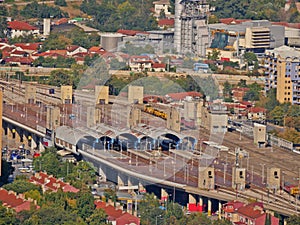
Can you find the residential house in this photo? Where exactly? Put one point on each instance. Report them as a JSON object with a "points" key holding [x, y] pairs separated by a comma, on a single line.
{"points": [[230, 210], [49, 183], [20, 28], [16, 202], [17, 60], [256, 113], [166, 23], [117, 216], [140, 63], [239, 93], [28, 47], [247, 214], [159, 67], [75, 49], [161, 6]]}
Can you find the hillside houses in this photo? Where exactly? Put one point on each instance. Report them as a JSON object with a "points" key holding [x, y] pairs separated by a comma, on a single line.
{"points": [[15, 201], [20, 28], [50, 183]]}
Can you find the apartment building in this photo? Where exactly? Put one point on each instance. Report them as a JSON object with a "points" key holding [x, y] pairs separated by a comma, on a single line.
{"points": [[283, 72]]}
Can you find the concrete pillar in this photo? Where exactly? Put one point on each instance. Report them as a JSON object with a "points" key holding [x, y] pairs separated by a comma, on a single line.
{"points": [[129, 181], [164, 195], [17, 135], [25, 138], [142, 189], [102, 173], [209, 207], [192, 199], [9, 132], [220, 210], [200, 201], [33, 141], [121, 180]]}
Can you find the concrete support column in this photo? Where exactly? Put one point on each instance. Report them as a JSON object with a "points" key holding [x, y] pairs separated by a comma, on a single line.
{"points": [[102, 173], [209, 203], [33, 144], [164, 194], [129, 181], [192, 199], [142, 189], [121, 180], [220, 210], [25, 139], [9, 132], [17, 135], [201, 202]]}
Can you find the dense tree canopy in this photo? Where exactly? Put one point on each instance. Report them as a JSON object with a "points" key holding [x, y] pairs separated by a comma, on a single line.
{"points": [[35, 10], [250, 9], [114, 15]]}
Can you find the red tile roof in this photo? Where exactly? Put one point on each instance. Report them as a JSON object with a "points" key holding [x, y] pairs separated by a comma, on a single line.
{"points": [[20, 25], [159, 65], [28, 46], [232, 20], [257, 110], [121, 218], [166, 22], [11, 200], [253, 210], [182, 95], [232, 206], [18, 59], [61, 21], [50, 183]]}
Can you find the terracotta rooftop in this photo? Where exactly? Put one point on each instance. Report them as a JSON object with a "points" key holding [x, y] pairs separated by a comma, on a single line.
{"points": [[12, 200], [20, 25], [51, 183], [166, 22], [182, 95], [253, 210]]}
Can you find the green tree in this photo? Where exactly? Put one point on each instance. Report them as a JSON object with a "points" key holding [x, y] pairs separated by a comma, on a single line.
{"points": [[21, 186], [214, 55], [3, 27], [60, 2], [85, 205], [7, 217], [60, 77], [149, 210], [250, 58], [227, 89], [97, 218]]}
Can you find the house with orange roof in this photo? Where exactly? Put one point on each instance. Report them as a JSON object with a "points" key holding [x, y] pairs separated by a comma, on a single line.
{"points": [[159, 67], [166, 23], [49, 183], [74, 49], [28, 47], [257, 113], [96, 50], [117, 216], [247, 214], [20, 28], [17, 60], [139, 63], [16, 202]]}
